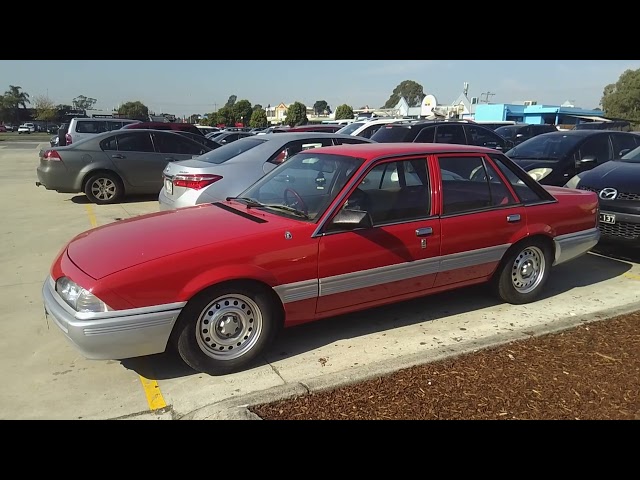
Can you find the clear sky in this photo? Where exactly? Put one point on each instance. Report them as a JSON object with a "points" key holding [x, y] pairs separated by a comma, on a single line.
{"points": [[185, 87]]}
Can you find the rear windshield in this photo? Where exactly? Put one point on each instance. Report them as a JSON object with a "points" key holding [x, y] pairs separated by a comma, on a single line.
{"points": [[230, 150], [391, 134]]}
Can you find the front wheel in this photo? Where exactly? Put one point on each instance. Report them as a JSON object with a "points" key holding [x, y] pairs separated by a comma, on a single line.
{"points": [[224, 329], [523, 272]]}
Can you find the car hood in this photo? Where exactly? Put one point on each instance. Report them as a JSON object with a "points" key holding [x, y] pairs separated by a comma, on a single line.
{"points": [[120, 245], [531, 163], [623, 176]]}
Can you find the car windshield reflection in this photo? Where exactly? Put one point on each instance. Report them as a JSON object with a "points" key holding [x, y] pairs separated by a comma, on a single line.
{"points": [[302, 187], [549, 146]]}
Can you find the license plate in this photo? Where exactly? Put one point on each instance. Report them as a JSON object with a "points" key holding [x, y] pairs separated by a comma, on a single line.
{"points": [[168, 186], [608, 218]]}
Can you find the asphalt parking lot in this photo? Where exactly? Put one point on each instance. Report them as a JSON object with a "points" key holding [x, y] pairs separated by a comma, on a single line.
{"points": [[45, 378]]}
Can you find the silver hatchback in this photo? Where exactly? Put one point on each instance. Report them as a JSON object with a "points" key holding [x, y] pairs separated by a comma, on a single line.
{"points": [[232, 168]]}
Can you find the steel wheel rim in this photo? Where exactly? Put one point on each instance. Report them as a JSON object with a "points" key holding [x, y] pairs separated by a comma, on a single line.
{"points": [[229, 327], [528, 269], [103, 188]]}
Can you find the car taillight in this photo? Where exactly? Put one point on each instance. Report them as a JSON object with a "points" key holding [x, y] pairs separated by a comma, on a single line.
{"points": [[52, 156], [195, 181], [67, 137]]}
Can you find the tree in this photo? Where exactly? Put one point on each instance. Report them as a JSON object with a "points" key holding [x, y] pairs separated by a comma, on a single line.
{"points": [[242, 111], [14, 98], [45, 109], [83, 103], [344, 112], [257, 106], [320, 107], [622, 99], [259, 119], [134, 110], [296, 114], [412, 92], [232, 100], [224, 116]]}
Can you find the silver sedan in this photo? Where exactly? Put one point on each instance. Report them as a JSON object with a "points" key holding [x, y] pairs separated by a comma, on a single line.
{"points": [[232, 168]]}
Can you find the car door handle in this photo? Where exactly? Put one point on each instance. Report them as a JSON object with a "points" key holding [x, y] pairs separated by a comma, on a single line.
{"points": [[424, 232], [513, 218], [117, 155]]}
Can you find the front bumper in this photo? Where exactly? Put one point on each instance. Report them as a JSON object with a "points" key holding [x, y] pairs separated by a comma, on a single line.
{"points": [[116, 334], [626, 228]]}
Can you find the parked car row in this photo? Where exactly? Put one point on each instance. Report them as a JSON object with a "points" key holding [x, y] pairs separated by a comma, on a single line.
{"points": [[185, 177]]}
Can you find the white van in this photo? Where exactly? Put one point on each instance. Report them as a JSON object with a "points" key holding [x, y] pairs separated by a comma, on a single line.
{"points": [[80, 128]]}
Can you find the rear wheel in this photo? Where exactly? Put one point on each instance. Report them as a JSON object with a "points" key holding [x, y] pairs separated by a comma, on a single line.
{"points": [[225, 328], [104, 188], [523, 272]]}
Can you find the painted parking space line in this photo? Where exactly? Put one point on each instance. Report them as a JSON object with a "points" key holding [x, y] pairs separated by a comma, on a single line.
{"points": [[632, 276], [151, 389]]}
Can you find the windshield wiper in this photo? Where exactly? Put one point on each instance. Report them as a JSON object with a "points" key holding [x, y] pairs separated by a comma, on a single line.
{"points": [[287, 208], [250, 202]]}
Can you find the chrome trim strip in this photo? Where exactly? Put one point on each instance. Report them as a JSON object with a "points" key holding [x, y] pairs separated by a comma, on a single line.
{"points": [[472, 258], [347, 282], [294, 292], [572, 245], [377, 276], [110, 329]]}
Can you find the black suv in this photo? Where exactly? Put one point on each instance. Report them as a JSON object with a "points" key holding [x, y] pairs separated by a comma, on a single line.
{"points": [[519, 133], [436, 131]]}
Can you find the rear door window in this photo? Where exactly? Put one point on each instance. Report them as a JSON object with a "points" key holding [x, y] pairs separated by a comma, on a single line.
{"points": [[135, 142], [167, 142], [450, 134], [91, 126]]}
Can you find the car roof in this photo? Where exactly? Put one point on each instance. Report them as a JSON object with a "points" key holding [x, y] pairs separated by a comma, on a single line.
{"points": [[372, 150], [288, 136]]}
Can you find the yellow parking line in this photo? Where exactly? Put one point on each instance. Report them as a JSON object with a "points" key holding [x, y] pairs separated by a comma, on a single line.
{"points": [[152, 391], [150, 387], [92, 216], [632, 276]]}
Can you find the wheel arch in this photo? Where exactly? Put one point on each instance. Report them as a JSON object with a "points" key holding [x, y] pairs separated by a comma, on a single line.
{"points": [[245, 282], [91, 173], [542, 237]]}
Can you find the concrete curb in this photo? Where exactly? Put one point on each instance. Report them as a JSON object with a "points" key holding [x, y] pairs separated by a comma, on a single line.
{"points": [[238, 408]]}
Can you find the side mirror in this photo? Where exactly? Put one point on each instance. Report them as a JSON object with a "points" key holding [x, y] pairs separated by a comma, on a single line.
{"points": [[624, 152], [586, 162], [351, 219], [519, 135]]}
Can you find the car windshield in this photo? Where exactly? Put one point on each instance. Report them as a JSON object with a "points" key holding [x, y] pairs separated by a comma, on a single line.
{"points": [[507, 132], [548, 146], [349, 129], [391, 134], [632, 157], [230, 150], [303, 187]]}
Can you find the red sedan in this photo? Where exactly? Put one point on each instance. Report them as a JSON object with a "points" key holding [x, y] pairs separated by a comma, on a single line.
{"points": [[332, 230]]}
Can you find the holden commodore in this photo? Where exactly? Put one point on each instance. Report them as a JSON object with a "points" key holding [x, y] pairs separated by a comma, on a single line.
{"points": [[332, 230]]}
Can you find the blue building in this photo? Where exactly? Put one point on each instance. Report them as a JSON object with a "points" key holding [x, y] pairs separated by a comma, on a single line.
{"points": [[535, 114]]}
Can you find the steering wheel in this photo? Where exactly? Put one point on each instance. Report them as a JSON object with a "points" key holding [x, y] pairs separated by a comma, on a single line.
{"points": [[297, 202]]}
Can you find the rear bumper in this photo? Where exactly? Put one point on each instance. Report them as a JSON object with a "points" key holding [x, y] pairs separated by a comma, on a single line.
{"points": [[573, 245], [112, 335]]}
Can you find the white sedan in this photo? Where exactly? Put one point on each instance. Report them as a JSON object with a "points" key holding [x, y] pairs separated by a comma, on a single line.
{"points": [[26, 128]]}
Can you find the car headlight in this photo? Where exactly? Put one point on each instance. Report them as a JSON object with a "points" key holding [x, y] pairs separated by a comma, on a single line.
{"points": [[539, 173], [78, 298], [574, 182]]}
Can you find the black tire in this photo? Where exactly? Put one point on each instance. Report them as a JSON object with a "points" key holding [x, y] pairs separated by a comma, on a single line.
{"points": [[104, 188], [523, 272], [249, 316]]}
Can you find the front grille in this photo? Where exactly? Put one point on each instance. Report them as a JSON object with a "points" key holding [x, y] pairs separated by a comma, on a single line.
{"points": [[621, 195], [626, 230]]}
